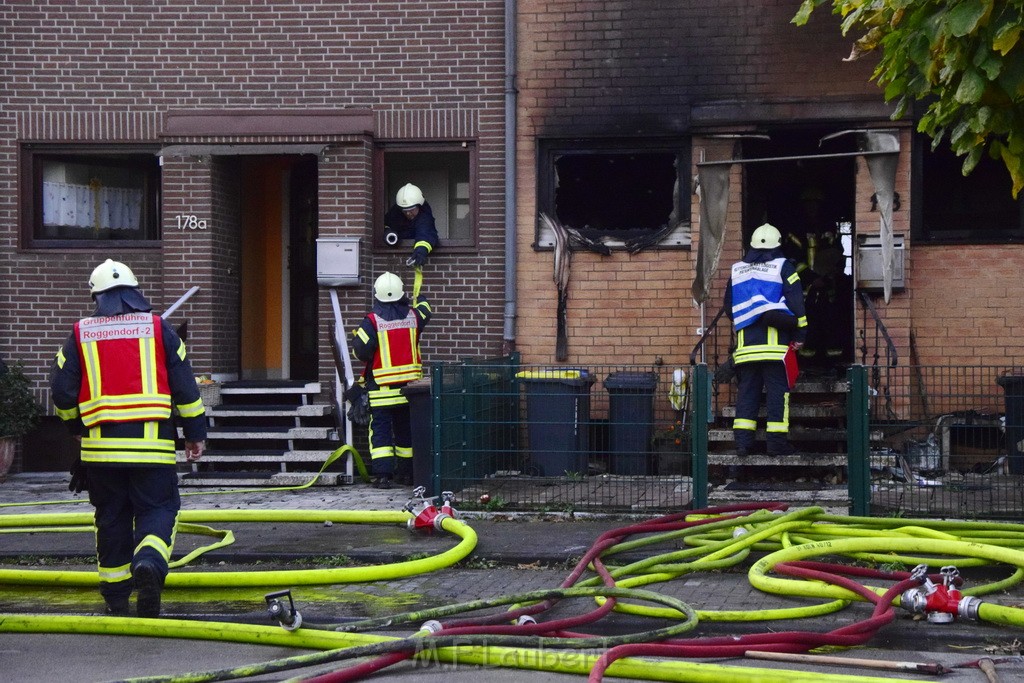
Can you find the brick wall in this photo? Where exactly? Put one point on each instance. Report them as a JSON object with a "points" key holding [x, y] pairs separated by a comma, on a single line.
{"points": [[97, 71]]}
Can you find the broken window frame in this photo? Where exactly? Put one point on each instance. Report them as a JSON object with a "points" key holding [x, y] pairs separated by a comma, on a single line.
{"points": [[550, 150], [939, 187]]}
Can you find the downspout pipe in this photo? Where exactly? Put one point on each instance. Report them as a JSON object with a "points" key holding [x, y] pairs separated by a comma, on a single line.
{"points": [[511, 237]]}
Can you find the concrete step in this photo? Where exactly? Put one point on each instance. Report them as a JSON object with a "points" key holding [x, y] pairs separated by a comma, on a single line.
{"points": [[796, 460], [290, 433], [258, 479], [269, 388], [798, 410], [260, 457], [244, 410], [796, 433]]}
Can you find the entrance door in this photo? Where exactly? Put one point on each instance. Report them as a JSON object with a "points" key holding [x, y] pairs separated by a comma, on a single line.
{"points": [[279, 291], [811, 201]]}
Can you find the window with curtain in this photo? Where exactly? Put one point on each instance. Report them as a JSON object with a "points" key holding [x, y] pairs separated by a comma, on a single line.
{"points": [[84, 198]]}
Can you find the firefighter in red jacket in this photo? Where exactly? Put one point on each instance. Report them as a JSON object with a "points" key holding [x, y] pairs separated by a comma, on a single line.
{"points": [[388, 341], [114, 383]]}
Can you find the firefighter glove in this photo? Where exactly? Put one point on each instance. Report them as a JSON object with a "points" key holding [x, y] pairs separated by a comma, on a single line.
{"points": [[418, 258], [79, 477]]}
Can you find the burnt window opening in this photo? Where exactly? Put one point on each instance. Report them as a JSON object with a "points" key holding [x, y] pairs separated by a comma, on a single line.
{"points": [[951, 207], [616, 193]]}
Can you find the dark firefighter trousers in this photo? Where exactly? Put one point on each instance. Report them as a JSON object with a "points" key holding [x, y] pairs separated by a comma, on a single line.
{"points": [[753, 378], [136, 513]]}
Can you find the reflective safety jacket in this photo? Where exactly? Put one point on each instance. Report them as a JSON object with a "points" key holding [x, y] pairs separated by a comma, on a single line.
{"points": [[397, 360], [763, 282], [388, 340], [124, 369], [114, 382]]}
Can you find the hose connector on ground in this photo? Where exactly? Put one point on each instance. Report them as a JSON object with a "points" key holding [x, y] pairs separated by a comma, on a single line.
{"points": [[941, 604], [284, 614]]}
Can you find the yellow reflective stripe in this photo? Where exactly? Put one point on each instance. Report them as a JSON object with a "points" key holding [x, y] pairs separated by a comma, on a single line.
{"points": [[92, 366], [778, 427], [147, 364], [121, 451], [181, 349], [361, 333], [425, 305], [60, 358], [194, 409], [426, 245], [114, 574], [793, 278], [69, 414], [801, 321], [381, 452], [743, 423], [157, 544], [386, 396], [403, 373], [403, 451]]}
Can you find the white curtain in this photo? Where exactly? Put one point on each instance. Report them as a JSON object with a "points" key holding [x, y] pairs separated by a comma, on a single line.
{"points": [[66, 204]]}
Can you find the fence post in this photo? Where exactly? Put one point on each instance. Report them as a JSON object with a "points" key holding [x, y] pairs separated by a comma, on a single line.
{"points": [[700, 402], [858, 466], [436, 385]]}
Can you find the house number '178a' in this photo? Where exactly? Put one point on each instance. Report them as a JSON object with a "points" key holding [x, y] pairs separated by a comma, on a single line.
{"points": [[188, 221]]}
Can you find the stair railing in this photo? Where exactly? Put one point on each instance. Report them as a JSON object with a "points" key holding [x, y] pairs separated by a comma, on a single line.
{"points": [[891, 357], [716, 344]]}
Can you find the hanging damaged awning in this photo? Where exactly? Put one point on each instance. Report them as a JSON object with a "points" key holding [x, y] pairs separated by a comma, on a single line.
{"points": [[880, 148]]}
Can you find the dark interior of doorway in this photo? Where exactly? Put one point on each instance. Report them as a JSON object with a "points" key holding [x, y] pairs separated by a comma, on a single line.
{"points": [[805, 198]]}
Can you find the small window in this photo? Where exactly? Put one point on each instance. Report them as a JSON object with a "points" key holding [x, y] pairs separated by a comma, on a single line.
{"points": [[617, 193], [445, 176], [79, 199], [951, 207]]}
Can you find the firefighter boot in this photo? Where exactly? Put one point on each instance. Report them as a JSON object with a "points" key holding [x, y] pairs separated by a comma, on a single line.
{"points": [[778, 444], [149, 581]]}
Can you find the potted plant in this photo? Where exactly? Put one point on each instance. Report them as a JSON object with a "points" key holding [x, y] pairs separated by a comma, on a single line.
{"points": [[19, 412]]}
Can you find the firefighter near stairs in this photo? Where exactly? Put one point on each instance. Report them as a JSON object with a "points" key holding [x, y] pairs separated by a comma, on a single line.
{"points": [[114, 384], [388, 341], [764, 299]]}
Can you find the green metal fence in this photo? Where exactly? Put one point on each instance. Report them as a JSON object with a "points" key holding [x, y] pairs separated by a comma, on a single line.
{"points": [[920, 441], [507, 435], [940, 442]]}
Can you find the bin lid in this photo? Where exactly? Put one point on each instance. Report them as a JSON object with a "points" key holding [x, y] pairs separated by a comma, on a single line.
{"points": [[631, 380], [564, 375], [1008, 381]]}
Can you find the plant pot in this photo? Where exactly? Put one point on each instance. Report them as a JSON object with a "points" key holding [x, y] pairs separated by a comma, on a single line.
{"points": [[8, 445]]}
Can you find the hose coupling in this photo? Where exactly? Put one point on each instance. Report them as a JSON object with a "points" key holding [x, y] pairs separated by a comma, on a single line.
{"points": [[439, 519], [283, 613], [525, 620], [391, 238], [739, 531], [968, 607], [432, 626]]}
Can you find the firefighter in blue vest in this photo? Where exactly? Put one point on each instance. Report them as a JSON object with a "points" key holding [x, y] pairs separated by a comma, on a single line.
{"points": [[765, 301], [411, 217], [388, 341], [115, 383]]}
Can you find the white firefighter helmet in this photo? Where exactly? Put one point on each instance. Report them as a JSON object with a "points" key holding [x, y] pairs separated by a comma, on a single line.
{"points": [[766, 237], [388, 287], [110, 274], [408, 196]]}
